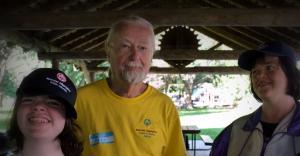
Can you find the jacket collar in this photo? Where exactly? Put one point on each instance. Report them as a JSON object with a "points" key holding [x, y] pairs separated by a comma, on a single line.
{"points": [[253, 120], [293, 128]]}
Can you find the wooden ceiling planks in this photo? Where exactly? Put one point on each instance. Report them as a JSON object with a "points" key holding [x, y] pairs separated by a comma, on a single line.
{"points": [[103, 19], [74, 26]]}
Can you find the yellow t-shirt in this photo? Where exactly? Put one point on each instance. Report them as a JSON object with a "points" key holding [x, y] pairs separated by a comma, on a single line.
{"points": [[117, 126]]}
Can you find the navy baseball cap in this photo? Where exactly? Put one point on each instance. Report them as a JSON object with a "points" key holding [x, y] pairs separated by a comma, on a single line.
{"points": [[274, 48], [52, 82]]}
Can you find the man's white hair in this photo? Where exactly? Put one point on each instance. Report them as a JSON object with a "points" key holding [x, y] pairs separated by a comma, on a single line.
{"points": [[114, 30]]}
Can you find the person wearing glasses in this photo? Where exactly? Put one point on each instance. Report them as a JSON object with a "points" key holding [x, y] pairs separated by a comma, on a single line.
{"points": [[274, 128], [121, 115]]}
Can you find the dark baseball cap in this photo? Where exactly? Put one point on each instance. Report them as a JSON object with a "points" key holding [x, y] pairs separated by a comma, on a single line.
{"points": [[52, 82], [274, 48]]}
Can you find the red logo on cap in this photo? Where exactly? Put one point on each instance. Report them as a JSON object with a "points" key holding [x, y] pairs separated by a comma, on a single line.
{"points": [[61, 77]]}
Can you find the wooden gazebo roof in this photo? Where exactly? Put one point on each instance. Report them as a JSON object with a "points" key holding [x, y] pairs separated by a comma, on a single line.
{"points": [[76, 29]]}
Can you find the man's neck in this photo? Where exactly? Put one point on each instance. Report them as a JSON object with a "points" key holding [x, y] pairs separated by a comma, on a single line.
{"points": [[125, 89]]}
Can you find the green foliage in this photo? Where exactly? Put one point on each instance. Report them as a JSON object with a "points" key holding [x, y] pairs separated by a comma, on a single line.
{"points": [[3, 124], [173, 89], [201, 111], [8, 86], [215, 79], [4, 119], [75, 75], [201, 78], [101, 75]]}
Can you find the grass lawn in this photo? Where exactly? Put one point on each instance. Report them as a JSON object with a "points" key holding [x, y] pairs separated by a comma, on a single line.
{"points": [[200, 111], [212, 132]]}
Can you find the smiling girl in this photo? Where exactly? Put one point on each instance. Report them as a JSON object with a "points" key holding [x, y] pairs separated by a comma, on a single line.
{"points": [[43, 119]]}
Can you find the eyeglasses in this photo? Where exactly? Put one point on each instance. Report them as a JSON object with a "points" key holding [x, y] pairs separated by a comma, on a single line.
{"points": [[268, 68]]}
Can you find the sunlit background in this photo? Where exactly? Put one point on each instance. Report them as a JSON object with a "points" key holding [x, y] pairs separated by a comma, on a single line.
{"points": [[209, 101]]}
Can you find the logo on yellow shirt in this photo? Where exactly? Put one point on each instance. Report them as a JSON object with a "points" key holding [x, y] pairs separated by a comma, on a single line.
{"points": [[147, 122], [146, 131]]}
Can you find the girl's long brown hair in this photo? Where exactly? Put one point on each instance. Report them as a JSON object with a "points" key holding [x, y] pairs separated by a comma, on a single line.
{"points": [[70, 144]]}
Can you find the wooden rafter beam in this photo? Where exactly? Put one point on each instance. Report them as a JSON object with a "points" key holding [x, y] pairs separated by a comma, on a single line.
{"points": [[94, 5], [274, 34], [178, 54], [218, 37], [252, 33], [192, 17], [78, 35], [283, 35], [245, 34], [60, 34], [237, 39], [97, 38], [128, 4], [193, 70]]}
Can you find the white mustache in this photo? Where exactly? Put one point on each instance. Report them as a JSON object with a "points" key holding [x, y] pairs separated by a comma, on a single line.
{"points": [[134, 64]]}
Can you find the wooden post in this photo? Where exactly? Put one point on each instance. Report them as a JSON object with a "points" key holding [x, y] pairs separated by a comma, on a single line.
{"points": [[92, 76], [55, 63]]}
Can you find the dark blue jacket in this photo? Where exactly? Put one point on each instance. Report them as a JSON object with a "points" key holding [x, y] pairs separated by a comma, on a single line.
{"points": [[245, 137]]}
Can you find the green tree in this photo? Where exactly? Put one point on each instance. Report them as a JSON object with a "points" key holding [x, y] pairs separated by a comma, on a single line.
{"points": [[8, 86], [71, 71], [101, 75]]}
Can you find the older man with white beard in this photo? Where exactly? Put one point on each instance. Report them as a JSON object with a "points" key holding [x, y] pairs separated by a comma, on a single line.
{"points": [[122, 115]]}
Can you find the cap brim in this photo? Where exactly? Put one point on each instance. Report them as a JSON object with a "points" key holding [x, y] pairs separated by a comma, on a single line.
{"points": [[246, 59]]}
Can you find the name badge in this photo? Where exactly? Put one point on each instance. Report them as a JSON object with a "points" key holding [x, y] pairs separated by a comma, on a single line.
{"points": [[101, 138]]}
